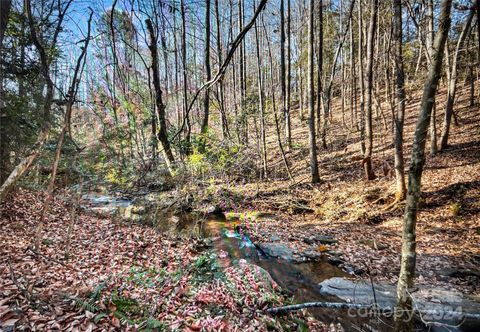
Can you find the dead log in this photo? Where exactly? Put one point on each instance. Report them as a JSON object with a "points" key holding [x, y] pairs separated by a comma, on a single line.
{"points": [[373, 308]]}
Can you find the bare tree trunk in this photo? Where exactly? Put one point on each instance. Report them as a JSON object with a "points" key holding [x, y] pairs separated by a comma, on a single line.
{"points": [[367, 162], [471, 82], [311, 93], [245, 74], [300, 88], [353, 82], [327, 86], [452, 83], [221, 92], [389, 96], [399, 109], [261, 97], [206, 100], [342, 69], [289, 70], [162, 123], [184, 71], [241, 63], [177, 79], [361, 79], [234, 77], [430, 30], [153, 120], [419, 59], [319, 76], [283, 79], [433, 131], [408, 260], [429, 50]]}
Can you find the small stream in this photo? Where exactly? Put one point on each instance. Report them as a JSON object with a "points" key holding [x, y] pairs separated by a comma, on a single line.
{"points": [[299, 280]]}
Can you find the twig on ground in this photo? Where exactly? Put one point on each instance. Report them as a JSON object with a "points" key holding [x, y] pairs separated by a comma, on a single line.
{"points": [[55, 261], [24, 290]]}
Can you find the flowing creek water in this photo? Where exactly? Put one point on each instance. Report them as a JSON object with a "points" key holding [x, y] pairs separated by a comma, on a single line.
{"points": [[299, 280]]}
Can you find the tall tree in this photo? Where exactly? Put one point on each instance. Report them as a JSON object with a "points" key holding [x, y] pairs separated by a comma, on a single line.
{"points": [[452, 83], [162, 123], [429, 52], [289, 68], [208, 70], [430, 30], [261, 100], [186, 115], [241, 63], [408, 260], [311, 93], [367, 162], [283, 78], [221, 90], [319, 74], [353, 79], [361, 79], [399, 111]]}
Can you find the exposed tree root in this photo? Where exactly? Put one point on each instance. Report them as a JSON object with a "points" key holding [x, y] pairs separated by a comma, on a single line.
{"points": [[395, 205]]}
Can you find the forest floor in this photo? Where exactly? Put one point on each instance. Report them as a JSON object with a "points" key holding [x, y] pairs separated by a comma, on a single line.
{"points": [[117, 273], [99, 274], [353, 210]]}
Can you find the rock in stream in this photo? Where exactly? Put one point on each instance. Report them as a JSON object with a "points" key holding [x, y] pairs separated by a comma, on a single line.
{"points": [[427, 298]]}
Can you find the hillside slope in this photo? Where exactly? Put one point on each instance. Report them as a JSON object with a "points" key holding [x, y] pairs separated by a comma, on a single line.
{"points": [[351, 209]]}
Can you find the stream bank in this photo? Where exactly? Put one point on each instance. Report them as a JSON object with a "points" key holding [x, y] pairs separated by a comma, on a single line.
{"points": [[307, 274], [103, 274]]}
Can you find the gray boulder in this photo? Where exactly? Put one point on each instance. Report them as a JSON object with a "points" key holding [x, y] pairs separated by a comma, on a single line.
{"points": [[426, 298], [277, 250]]}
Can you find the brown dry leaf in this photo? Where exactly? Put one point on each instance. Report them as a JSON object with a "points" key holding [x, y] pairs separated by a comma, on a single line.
{"points": [[9, 322]]}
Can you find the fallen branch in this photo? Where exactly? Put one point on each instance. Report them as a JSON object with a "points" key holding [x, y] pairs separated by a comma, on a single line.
{"points": [[372, 308], [328, 305], [24, 290], [49, 258]]}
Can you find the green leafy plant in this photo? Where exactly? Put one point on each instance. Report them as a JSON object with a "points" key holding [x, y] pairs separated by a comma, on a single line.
{"points": [[207, 267], [146, 277], [90, 303], [455, 209], [153, 325]]}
